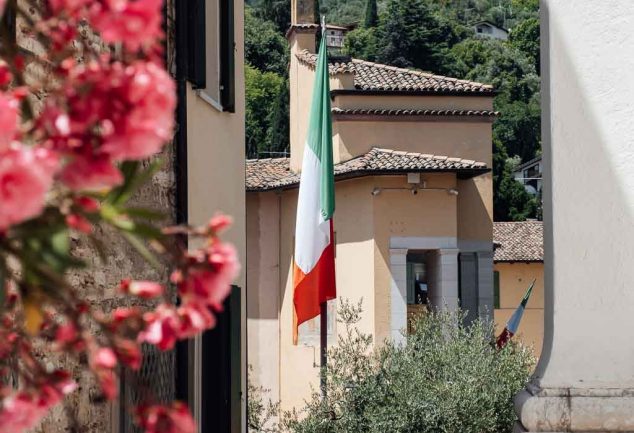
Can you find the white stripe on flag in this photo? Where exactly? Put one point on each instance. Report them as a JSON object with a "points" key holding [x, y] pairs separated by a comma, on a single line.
{"points": [[312, 233]]}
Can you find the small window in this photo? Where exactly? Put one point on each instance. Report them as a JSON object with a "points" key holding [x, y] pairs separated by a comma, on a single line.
{"points": [[496, 290], [211, 45]]}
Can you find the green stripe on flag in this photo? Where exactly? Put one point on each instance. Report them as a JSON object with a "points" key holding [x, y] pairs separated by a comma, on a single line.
{"points": [[528, 294], [320, 132]]}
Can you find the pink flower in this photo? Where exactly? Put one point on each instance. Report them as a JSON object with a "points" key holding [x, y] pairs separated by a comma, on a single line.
{"points": [[212, 281], [26, 175], [220, 222], [108, 381], [143, 129], [88, 204], [142, 289], [9, 116], [70, 7], [134, 23], [5, 72], [23, 409], [91, 174], [163, 327], [196, 318], [129, 353], [104, 357], [79, 223], [166, 419], [66, 334]]}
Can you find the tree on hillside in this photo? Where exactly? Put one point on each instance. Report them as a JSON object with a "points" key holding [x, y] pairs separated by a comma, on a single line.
{"points": [[262, 90], [264, 47], [412, 36], [371, 14], [362, 43], [514, 77], [278, 135], [276, 11], [511, 202], [525, 37]]}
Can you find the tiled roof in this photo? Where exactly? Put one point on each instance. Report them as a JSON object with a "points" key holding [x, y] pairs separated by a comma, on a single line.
{"points": [[377, 77], [407, 112], [518, 241], [268, 174]]}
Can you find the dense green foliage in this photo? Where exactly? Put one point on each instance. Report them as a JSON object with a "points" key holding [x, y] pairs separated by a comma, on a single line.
{"points": [[262, 92], [447, 378], [371, 14], [430, 35]]}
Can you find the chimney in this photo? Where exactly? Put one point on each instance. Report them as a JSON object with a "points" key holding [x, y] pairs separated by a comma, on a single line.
{"points": [[301, 38], [302, 12]]}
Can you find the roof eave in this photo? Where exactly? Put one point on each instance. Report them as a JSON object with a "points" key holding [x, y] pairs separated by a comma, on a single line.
{"points": [[462, 174], [526, 261], [361, 92]]}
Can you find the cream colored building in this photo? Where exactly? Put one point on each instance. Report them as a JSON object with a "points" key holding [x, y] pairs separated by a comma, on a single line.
{"points": [[518, 260], [413, 200]]}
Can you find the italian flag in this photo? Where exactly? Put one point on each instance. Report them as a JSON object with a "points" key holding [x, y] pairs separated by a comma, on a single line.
{"points": [[314, 258], [514, 322]]}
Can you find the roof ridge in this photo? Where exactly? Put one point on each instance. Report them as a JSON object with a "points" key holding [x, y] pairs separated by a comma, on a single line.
{"points": [[425, 156]]}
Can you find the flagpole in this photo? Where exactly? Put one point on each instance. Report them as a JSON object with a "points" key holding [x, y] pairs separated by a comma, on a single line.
{"points": [[323, 346], [323, 307]]}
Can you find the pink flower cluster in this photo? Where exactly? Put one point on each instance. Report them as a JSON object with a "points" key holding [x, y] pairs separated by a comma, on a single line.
{"points": [[203, 282], [111, 112], [22, 410], [166, 419], [26, 175], [135, 23]]}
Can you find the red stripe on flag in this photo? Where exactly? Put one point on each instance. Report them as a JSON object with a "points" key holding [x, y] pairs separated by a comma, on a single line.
{"points": [[314, 288], [504, 338]]}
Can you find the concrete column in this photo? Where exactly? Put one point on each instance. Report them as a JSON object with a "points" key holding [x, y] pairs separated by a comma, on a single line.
{"points": [[485, 284], [398, 294], [584, 381], [448, 278]]}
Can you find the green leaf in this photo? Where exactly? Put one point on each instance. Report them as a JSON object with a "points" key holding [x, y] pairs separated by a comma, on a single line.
{"points": [[138, 245], [133, 180], [144, 213]]}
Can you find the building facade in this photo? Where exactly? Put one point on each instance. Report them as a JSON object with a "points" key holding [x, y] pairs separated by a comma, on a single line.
{"points": [[413, 222], [518, 260], [485, 29], [530, 175]]}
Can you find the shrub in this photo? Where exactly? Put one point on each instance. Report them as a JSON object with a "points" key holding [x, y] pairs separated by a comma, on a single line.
{"points": [[447, 378]]}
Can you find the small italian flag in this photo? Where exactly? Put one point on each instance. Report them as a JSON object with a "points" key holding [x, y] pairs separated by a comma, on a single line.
{"points": [[314, 259], [514, 321]]}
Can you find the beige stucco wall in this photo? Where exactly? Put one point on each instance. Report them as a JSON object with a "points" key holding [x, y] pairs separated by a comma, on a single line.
{"points": [[514, 280], [215, 171], [465, 140]]}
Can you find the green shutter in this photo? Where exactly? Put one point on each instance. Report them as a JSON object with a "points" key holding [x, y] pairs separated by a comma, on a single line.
{"points": [[496, 290]]}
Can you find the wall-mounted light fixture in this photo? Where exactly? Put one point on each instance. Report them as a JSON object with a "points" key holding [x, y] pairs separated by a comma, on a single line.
{"points": [[413, 190]]}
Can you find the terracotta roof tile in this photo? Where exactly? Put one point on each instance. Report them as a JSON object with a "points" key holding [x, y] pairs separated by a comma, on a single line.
{"points": [[518, 241], [268, 174], [375, 76]]}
